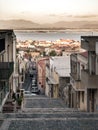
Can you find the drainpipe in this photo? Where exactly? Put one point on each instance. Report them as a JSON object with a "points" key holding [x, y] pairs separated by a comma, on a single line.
{"points": [[87, 95]]}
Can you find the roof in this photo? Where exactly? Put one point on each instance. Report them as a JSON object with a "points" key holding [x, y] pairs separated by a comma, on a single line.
{"points": [[85, 54], [89, 36], [64, 72], [61, 65], [5, 30]]}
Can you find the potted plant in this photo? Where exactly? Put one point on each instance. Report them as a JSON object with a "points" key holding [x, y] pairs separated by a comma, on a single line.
{"points": [[19, 100]]}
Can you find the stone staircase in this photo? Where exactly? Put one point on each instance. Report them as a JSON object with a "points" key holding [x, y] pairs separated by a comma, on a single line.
{"points": [[48, 114], [50, 120], [2, 117], [51, 115], [8, 106]]}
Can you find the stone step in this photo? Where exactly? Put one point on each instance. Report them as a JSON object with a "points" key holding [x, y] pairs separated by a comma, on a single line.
{"points": [[53, 124], [67, 115], [1, 116], [43, 110]]}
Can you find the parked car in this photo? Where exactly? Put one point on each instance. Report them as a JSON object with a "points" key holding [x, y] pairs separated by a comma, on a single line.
{"points": [[34, 78], [34, 82], [31, 72], [35, 89], [28, 93]]}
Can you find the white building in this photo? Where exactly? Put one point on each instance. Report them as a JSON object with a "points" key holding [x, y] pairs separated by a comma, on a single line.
{"points": [[57, 74]]}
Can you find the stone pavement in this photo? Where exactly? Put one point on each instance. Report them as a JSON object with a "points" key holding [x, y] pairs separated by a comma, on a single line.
{"points": [[42, 113]]}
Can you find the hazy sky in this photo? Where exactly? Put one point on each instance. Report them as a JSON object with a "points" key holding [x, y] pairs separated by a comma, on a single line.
{"points": [[46, 11]]}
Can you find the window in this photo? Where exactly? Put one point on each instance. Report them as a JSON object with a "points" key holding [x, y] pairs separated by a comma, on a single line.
{"points": [[67, 79], [82, 96], [2, 44], [22, 78], [2, 58]]}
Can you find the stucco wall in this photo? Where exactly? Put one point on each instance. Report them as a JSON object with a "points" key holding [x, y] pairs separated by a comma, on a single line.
{"points": [[96, 101]]}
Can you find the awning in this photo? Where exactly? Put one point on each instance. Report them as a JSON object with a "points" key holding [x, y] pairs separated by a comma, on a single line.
{"points": [[52, 81]]}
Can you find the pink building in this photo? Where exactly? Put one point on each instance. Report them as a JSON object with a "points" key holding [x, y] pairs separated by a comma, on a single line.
{"points": [[41, 65]]}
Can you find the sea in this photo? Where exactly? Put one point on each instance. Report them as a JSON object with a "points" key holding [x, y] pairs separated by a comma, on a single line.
{"points": [[52, 35]]}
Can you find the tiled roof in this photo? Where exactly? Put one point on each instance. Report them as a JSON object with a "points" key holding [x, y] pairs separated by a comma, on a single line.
{"points": [[85, 54]]}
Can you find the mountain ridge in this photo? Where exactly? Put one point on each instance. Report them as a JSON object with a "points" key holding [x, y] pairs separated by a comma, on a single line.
{"points": [[26, 24]]}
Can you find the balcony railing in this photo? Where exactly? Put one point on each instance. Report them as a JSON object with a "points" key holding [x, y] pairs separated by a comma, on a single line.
{"points": [[90, 81], [77, 84], [75, 76], [47, 72], [6, 69]]}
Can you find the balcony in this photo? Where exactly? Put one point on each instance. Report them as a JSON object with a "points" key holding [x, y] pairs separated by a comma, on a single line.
{"points": [[75, 76], [47, 72], [6, 69], [90, 81], [77, 84]]}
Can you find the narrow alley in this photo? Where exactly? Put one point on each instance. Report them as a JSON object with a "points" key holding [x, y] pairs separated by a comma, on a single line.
{"points": [[46, 113]]}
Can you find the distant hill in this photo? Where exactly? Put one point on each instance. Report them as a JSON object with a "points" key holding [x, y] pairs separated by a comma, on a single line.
{"points": [[24, 24], [17, 24], [77, 24]]}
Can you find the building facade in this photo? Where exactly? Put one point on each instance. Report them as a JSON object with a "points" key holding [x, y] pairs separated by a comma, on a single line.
{"points": [[41, 66], [7, 65], [58, 70], [84, 76], [77, 90]]}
